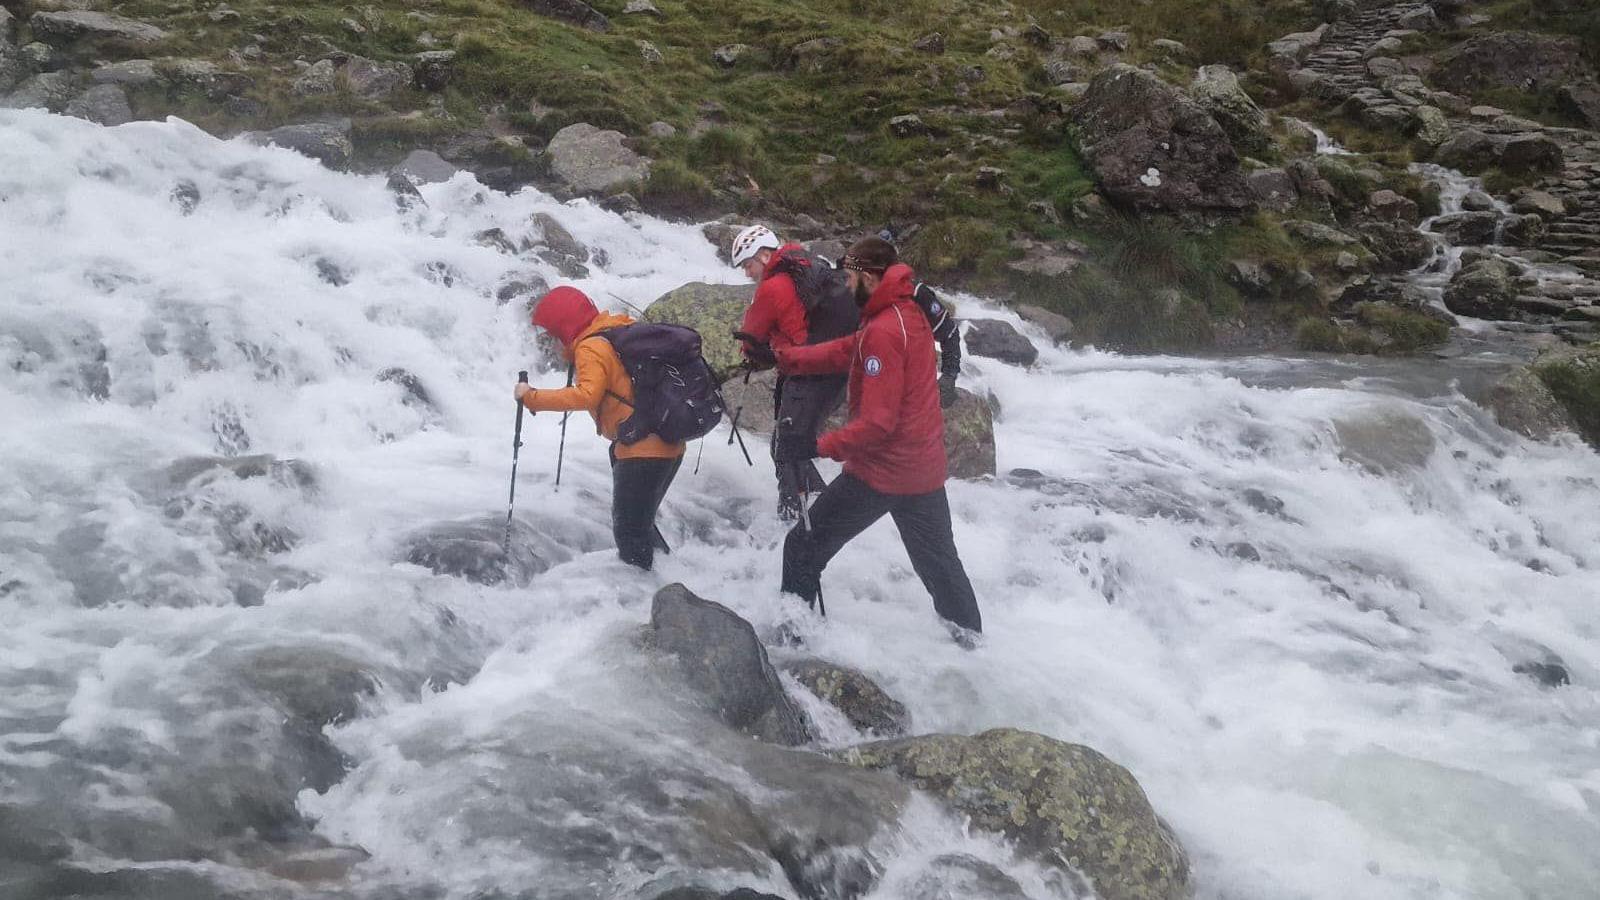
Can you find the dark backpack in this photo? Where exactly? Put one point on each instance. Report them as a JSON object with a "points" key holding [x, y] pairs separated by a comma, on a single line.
{"points": [[831, 311], [675, 396]]}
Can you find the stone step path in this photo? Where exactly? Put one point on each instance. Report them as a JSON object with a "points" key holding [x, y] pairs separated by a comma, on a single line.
{"points": [[1357, 70]]}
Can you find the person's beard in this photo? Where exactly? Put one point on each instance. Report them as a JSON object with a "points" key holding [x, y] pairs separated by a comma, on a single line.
{"points": [[863, 294]]}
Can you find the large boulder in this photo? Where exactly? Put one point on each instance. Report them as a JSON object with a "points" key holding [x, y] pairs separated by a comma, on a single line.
{"points": [[1064, 803], [719, 655], [714, 310], [867, 706], [1482, 290], [1516, 60], [1432, 127], [1289, 51], [1153, 148], [594, 161], [999, 339], [1529, 153], [1582, 98], [1058, 328], [1217, 89], [68, 26], [574, 11], [477, 550], [969, 436]]}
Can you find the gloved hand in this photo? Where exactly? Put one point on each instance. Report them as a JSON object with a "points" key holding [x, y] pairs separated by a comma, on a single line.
{"points": [[522, 390], [758, 352], [947, 390], [796, 448]]}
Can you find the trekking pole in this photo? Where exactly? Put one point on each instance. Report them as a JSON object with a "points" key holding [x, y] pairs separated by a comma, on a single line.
{"points": [[561, 451], [516, 451], [805, 521], [734, 426]]}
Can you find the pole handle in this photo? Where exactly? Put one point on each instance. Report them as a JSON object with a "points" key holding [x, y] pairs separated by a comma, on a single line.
{"points": [[522, 377]]}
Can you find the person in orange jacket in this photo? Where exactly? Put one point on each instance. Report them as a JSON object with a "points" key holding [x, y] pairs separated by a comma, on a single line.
{"points": [[640, 472]]}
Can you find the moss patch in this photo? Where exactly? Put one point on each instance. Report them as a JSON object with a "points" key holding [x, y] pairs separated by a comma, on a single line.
{"points": [[1574, 379]]}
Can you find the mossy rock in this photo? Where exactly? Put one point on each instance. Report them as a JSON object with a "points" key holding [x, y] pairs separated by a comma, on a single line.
{"points": [[969, 436], [1573, 376], [868, 706], [714, 310], [1063, 802]]}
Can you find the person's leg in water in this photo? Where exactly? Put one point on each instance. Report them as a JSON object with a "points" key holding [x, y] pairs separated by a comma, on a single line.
{"points": [[803, 406], [925, 529], [638, 487], [845, 508]]}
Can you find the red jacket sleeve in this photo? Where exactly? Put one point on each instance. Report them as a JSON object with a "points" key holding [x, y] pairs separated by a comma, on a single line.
{"points": [[827, 358], [777, 315], [883, 369]]}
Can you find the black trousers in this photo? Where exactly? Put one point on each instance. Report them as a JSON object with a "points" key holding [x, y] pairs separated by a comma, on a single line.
{"points": [[803, 404], [637, 488], [848, 507]]}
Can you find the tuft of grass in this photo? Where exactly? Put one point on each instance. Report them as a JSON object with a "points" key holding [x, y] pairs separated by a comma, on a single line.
{"points": [[1407, 331], [1574, 379], [955, 246], [676, 191]]}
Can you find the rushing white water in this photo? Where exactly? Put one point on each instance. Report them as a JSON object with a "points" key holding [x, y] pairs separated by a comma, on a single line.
{"points": [[1288, 595]]}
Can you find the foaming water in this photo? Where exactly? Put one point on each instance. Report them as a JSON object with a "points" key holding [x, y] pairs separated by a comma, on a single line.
{"points": [[1289, 595]]}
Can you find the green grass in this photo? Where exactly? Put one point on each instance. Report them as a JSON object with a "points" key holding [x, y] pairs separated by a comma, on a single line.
{"points": [[1575, 381], [1407, 331]]}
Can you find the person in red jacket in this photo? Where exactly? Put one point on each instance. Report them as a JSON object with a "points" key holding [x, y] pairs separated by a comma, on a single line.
{"points": [[892, 446], [779, 317]]}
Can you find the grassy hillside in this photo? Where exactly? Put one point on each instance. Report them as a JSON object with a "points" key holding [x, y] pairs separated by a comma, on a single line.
{"points": [[809, 128]]}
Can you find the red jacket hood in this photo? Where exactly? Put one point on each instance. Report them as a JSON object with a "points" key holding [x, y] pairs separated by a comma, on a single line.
{"points": [[898, 284], [566, 313], [777, 255]]}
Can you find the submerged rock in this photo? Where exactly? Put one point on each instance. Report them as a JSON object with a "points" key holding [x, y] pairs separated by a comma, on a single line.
{"points": [[1385, 442], [327, 142], [473, 549], [868, 706], [1523, 403], [1065, 803], [719, 655]]}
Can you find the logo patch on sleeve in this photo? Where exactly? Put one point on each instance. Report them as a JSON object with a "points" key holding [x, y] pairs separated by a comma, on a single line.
{"points": [[873, 365]]}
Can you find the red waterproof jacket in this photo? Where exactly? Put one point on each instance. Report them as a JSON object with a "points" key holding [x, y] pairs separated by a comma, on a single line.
{"points": [[777, 316], [894, 440]]}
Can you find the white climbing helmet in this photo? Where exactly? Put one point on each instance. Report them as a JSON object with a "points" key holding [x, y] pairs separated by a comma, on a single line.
{"points": [[751, 241]]}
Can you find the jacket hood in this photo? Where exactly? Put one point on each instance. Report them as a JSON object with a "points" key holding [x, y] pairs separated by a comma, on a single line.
{"points": [[897, 285], [774, 265], [566, 313]]}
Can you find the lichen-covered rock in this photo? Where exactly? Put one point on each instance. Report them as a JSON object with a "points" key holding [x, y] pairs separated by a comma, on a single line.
{"points": [[376, 80], [1152, 147], [103, 104], [1483, 289], [714, 310], [868, 706], [574, 11], [969, 436], [1468, 227], [1432, 126], [594, 161], [1218, 90], [51, 90], [1065, 803], [719, 655]]}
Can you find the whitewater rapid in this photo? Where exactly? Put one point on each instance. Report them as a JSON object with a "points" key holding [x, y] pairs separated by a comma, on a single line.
{"points": [[1287, 594]]}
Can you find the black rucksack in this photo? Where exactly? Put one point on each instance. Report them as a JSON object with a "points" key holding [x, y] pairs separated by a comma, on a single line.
{"points": [[831, 311], [675, 396]]}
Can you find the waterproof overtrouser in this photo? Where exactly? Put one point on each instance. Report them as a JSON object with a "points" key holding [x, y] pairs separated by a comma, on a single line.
{"points": [[848, 507], [637, 488], [803, 404]]}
